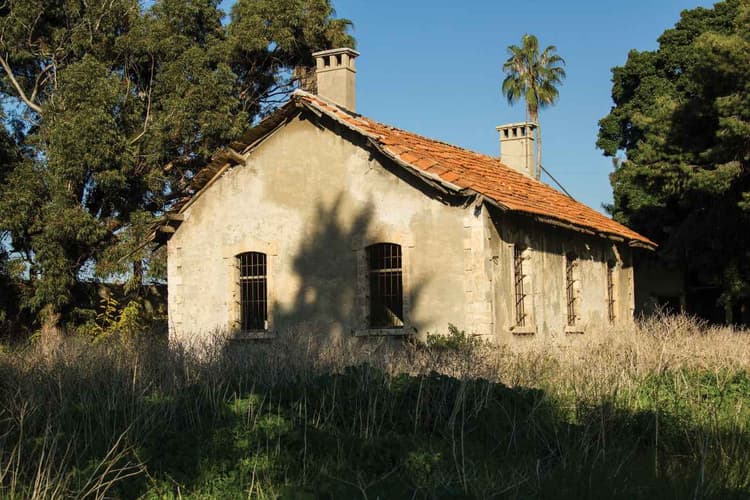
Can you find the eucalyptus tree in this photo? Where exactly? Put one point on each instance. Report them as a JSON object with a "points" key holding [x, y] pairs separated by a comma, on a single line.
{"points": [[113, 107], [534, 77]]}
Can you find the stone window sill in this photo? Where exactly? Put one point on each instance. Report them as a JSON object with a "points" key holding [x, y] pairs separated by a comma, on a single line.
{"points": [[574, 330], [258, 335], [523, 330], [382, 332]]}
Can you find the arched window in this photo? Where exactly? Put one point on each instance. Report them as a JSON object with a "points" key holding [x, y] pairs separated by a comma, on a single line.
{"points": [[253, 283], [386, 286]]}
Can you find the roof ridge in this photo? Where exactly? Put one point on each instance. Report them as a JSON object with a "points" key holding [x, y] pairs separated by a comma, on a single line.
{"points": [[506, 185], [359, 116], [440, 141]]}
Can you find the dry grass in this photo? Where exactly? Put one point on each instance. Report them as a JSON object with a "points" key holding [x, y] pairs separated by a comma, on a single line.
{"points": [[622, 358], [87, 420]]}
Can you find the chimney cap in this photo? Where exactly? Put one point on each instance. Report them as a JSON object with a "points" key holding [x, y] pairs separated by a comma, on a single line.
{"points": [[530, 125], [332, 52]]}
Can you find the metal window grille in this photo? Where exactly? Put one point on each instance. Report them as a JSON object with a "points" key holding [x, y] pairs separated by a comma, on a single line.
{"points": [[518, 277], [386, 287], [570, 293], [611, 291], [253, 291]]}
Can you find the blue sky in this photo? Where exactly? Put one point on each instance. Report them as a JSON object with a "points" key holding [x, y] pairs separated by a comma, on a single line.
{"points": [[434, 67]]}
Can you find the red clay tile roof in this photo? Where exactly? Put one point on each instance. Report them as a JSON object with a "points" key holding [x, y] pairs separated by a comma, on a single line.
{"points": [[449, 167], [467, 170]]}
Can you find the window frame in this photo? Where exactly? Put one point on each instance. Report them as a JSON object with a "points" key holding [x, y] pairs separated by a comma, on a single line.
{"points": [[572, 314], [232, 275], [522, 320], [519, 293], [385, 277], [378, 235], [611, 290], [252, 276], [571, 292]]}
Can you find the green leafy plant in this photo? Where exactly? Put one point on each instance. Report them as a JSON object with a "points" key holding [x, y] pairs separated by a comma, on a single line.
{"points": [[456, 340]]}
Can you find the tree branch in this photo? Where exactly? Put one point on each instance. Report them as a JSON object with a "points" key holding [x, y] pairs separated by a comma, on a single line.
{"points": [[39, 81], [148, 106], [18, 88]]}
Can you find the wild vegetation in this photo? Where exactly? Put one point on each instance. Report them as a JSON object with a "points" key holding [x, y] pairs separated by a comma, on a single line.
{"points": [[657, 411], [678, 132], [110, 107]]}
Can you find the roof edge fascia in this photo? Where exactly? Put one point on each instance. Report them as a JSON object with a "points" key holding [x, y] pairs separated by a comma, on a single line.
{"points": [[241, 156]]}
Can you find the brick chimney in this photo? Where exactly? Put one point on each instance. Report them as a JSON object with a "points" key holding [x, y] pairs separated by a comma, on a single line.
{"points": [[336, 76], [517, 147]]}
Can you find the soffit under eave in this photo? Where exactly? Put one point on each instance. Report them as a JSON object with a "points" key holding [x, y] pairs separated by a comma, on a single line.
{"points": [[567, 225]]}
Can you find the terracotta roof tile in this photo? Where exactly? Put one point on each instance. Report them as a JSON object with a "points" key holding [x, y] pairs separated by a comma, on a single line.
{"points": [[484, 174]]}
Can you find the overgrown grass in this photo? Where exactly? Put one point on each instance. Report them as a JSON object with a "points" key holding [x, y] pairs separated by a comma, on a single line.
{"points": [[659, 411]]}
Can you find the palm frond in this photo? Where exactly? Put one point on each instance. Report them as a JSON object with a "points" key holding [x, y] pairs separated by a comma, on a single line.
{"points": [[532, 75]]}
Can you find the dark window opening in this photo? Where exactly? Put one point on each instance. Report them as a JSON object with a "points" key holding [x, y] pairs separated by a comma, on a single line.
{"points": [[518, 277], [611, 291], [253, 292], [386, 287], [570, 293]]}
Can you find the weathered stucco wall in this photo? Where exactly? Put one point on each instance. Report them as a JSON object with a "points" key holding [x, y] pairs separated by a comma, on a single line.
{"points": [[313, 201], [545, 283]]}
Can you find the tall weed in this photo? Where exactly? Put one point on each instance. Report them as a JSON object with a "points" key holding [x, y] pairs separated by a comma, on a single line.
{"points": [[660, 409]]}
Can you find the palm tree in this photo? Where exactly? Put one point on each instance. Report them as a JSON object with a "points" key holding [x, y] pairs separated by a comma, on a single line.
{"points": [[533, 77]]}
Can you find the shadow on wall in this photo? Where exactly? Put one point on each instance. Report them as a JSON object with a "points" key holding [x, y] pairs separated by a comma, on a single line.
{"points": [[332, 296]]}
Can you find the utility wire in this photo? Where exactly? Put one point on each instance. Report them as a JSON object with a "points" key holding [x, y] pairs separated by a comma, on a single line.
{"points": [[557, 182]]}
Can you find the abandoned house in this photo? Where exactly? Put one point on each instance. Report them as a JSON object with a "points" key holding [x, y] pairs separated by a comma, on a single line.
{"points": [[323, 219]]}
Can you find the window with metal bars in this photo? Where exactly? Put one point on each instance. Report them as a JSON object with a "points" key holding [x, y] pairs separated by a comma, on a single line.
{"points": [[253, 282], [518, 277], [611, 291], [571, 262], [384, 263]]}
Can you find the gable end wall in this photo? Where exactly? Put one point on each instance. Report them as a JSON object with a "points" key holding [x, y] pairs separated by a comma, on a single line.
{"points": [[313, 200]]}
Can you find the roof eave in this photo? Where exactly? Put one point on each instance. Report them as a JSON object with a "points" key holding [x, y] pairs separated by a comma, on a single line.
{"points": [[373, 140]]}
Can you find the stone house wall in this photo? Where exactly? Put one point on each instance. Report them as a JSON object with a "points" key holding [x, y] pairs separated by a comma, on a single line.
{"points": [[312, 200], [545, 269]]}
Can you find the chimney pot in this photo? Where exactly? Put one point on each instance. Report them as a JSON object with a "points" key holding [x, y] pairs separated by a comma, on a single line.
{"points": [[336, 76], [517, 147]]}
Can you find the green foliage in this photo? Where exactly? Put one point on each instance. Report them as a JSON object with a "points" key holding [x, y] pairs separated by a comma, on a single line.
{"points": [[456, 340], [127, 323], [534, 77], [113, 107], [159, 422], [681, 119]]}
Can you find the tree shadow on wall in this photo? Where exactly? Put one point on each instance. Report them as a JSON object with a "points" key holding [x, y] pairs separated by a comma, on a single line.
{"points": [[331, 296]]}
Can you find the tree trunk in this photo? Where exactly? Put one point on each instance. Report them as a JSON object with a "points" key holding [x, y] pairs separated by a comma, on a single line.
{"points": [[138, 275], [534, 118], [539, 150], [50, 336]]}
